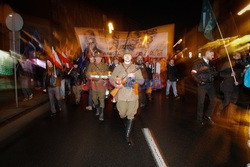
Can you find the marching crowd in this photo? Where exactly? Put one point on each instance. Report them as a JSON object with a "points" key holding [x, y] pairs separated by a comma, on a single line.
{"points": [[130, 83]]}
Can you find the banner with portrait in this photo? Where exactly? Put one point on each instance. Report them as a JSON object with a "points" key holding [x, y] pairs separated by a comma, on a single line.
{"points": [[155, 42]]}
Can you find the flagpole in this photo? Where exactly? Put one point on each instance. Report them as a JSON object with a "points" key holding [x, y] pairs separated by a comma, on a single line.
{"points": [[224, 43]]}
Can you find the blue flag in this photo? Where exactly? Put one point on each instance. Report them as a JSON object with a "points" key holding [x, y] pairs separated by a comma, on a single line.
{"points": [[81, 61], [30, 50], [36, 38], [207, 21]]}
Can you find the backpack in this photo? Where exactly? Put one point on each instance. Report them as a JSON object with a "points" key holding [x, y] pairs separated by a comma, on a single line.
{"points": [[247, 78]]}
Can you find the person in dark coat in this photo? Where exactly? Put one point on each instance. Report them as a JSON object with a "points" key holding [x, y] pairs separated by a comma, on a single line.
{"points": [[172, 78], [149, 81], [143, 87], [203, 73], [232, 79]]}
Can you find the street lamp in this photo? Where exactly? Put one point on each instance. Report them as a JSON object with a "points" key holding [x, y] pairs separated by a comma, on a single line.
{"points": [[244, 9], [178, 42], [111, 27]]}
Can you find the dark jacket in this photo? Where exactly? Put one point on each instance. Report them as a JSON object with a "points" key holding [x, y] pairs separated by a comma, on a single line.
{"points": [[227, 85], [172, 73], [205, 73], [144, 72], [51, 80], [76, 77], [112, 67]]}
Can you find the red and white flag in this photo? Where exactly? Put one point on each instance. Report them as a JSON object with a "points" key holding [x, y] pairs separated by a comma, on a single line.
{"points": [[53, 58], [64, 58], [58, 62]]}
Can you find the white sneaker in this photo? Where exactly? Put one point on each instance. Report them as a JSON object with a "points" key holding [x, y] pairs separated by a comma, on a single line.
{"points": [[31, 96], [25, 99], [89, 108]]}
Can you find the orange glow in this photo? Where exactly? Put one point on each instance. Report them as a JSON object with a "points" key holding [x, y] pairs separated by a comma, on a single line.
{"points": [[145, 40]]}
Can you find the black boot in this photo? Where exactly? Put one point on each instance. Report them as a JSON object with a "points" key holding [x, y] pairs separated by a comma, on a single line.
{"points": [[114, 106], [128, 130], [101, 114], [124, 123]]}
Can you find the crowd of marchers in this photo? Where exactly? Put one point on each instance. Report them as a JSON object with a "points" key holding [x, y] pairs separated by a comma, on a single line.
{"points": [[129, 82]]}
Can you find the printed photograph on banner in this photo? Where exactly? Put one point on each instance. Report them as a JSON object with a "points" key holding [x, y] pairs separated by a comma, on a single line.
{"points": [[154, 43]]}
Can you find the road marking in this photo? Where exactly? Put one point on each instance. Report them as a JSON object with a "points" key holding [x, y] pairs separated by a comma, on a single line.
{"points": [[153, 147]]}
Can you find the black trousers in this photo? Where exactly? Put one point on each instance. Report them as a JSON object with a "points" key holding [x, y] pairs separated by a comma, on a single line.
{"points": [[204, 90], [230, 96]]}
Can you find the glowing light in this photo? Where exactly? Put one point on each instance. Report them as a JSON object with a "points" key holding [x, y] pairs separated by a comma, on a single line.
{"points": [[242, 40], [41, 63], [145, 40], [178, 42], [111, 28], [244, 9], [190, 55], [199, 55]]}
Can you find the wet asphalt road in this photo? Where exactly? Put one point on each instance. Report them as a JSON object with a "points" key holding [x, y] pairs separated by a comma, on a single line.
{"points": [[75, 137]]}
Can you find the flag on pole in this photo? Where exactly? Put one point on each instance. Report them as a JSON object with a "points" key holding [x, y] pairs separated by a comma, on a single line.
{"points": [[207, 20], [52, 56], [35, 37], [80, 60], [62, 56], [58, 62], [30, 50]]}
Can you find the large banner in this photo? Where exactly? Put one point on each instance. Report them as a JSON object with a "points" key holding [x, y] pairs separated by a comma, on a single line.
{"points": [[155, 43]]}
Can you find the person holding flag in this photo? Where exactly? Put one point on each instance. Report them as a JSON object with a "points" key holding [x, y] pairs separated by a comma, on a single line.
{"points": [[53, 83], [229, 87]]}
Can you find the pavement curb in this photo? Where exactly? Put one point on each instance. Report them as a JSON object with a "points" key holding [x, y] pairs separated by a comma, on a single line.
{"points": [[15, 126]]}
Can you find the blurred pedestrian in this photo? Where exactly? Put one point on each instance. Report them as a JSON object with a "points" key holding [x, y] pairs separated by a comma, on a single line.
{"points": [[76, 82], [24, 77], [142, 88], [53, 83], [172, 78], [97, 72], [232, 79], [203, 73], [149, 82], [114, 64], [90, 101]]}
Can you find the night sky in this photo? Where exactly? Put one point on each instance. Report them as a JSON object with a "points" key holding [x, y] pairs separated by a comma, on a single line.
{"points": [[183, 13]]}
